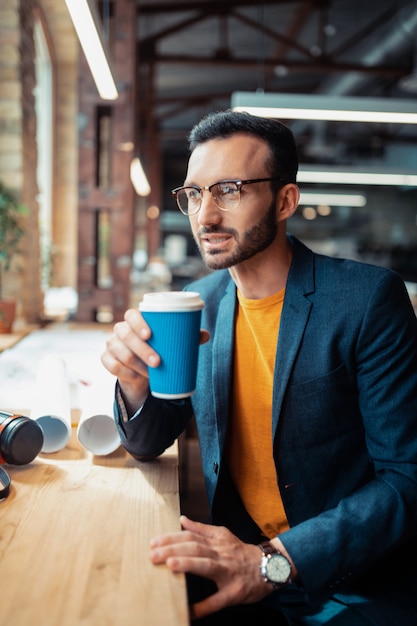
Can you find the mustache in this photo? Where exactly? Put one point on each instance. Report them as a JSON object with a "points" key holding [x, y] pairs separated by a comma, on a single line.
{"points": [[215, 230]]}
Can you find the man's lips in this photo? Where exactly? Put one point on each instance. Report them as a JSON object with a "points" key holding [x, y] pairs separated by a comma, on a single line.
{"points": [[215, 241]]}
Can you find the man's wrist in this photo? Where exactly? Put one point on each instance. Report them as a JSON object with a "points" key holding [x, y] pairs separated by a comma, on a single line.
{"points": [[127, 411], [275, 567]]}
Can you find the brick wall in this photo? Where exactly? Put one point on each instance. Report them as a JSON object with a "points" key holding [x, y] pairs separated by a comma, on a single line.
{"points": [[30, 296], [18, 149], [18, 156], [75, 195], [10, 109]]}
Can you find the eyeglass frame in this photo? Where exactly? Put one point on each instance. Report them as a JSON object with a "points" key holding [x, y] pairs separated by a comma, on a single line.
{"points": [[239, 184]]}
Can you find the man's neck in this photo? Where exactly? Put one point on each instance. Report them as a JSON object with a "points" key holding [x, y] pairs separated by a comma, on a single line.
{"points": [[264, 274]]}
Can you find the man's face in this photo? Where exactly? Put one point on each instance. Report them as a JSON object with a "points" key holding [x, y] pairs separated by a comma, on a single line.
{"points": [[227, 238]]}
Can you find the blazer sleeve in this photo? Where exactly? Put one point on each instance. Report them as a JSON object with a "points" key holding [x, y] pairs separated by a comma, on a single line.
{"points": [[154, 428]]}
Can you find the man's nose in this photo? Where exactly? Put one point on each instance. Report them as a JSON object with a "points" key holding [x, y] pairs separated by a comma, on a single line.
{"points": [[209, 212]]}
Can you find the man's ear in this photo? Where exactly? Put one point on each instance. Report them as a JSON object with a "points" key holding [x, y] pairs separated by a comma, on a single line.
{"points": [[287, 201]]}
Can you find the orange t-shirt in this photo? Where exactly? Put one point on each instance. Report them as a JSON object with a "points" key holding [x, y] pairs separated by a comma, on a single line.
{"points": [[249, 450]]}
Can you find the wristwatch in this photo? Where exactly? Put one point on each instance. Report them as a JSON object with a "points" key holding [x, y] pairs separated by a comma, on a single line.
{"points": [[275, 567]]}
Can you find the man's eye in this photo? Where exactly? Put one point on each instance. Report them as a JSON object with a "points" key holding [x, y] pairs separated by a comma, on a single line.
{"points": [[227, 189], [193, 194]]}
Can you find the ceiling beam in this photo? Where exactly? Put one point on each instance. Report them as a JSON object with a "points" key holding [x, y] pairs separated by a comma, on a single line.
{"points": [[319, 65], [214, 6]]}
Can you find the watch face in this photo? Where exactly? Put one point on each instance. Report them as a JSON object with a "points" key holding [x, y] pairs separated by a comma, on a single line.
{"points": [[277, 568]]}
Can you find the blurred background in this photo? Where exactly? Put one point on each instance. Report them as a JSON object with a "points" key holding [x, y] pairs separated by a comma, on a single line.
{"points": [[97, 233]]}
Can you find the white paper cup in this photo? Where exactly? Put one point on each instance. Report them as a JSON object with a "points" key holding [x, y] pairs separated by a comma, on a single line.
{"points": [[51, 405], [174, 318], [97, 430]]}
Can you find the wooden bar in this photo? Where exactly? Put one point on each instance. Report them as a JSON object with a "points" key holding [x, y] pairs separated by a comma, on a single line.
{"points": [[74, 541], [8, 340]]}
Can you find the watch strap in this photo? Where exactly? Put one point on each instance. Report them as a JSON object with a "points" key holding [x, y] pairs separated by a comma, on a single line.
{"points": [[268, 548]]}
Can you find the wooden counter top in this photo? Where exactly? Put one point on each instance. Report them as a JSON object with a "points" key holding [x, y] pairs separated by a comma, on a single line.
{"points": [[74, 537], [8, 340]]}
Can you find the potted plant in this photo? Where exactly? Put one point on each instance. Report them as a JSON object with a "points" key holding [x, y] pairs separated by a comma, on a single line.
{"points": [[11, 232]]}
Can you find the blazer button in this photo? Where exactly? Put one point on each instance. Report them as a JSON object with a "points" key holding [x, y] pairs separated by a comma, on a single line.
{"points": [[216, 468]]}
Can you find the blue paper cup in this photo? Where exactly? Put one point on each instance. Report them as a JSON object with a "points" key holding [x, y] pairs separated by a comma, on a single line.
{"points": [[174, 318]]}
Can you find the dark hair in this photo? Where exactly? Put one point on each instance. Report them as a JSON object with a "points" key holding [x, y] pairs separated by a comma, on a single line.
{"points": [[223, 124]]}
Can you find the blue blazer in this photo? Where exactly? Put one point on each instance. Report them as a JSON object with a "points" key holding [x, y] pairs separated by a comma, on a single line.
{"points": [[344, 425]]}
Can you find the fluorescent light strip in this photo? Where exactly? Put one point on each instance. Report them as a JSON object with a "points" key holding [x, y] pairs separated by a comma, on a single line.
{"points": [[326, 108], [87, 25], [332, 199], [331, 116], [356, 178], [138, 178]]}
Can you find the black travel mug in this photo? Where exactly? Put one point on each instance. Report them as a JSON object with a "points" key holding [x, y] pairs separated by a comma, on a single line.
{"points": [[21, 439]]}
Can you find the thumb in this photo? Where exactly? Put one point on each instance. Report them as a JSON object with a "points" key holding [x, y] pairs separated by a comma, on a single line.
{"points": [[196, 527]]}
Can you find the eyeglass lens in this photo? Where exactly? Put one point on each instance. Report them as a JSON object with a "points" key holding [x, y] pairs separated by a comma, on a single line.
{"points": [[226, 196]]}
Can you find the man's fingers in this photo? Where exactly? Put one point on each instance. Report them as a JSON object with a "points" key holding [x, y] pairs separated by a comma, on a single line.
{"points": [[202, 529], [212, 604], [204, 336], [187, 549]]}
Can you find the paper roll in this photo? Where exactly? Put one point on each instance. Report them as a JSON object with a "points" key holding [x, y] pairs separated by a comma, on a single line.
{"points": [[97, 430]]}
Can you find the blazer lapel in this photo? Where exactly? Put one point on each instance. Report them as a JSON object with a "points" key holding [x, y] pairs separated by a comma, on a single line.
{"points": [[294, 318], [295, 314], [223, 358]]}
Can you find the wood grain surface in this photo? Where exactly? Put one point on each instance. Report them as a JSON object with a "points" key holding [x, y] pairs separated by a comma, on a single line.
{"points": [[74, 541]]}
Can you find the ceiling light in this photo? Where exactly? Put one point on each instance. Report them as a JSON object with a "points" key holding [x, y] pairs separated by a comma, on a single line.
{"points": [[138, 178], [153, 212], [332, 199], [309, 213], [324, 210], [354, 176], [125, 146], [87, 25], [327, 108]]}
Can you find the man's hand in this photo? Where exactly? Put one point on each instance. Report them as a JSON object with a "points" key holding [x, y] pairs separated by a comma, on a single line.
{"points": [[215, 553], [128, 355]]}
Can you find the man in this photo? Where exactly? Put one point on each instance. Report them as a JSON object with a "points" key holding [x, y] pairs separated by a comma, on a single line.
{"points": [[306, 404]]}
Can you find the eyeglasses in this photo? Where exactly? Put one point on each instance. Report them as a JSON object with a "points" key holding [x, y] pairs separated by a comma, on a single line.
{"points": [[226, 194]]}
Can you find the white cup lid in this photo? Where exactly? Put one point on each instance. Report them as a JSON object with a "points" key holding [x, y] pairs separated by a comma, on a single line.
{"points": [[171, 301]]}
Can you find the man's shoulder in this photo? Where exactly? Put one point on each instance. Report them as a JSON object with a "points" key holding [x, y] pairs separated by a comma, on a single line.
{"points": [[214, 282], [338, 264]]}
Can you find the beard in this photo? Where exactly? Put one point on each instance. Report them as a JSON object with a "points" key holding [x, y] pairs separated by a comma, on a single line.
{"points": [[252, 241]]}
